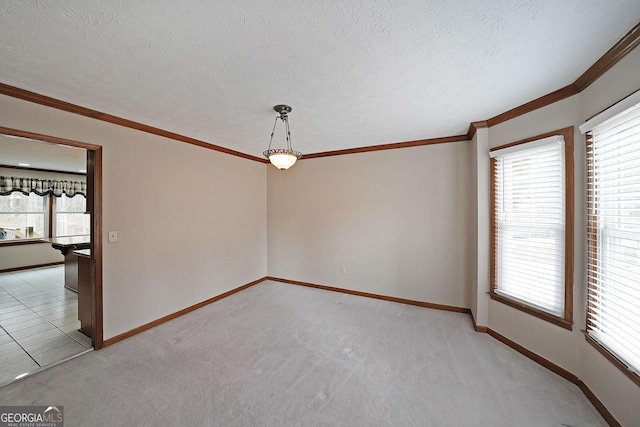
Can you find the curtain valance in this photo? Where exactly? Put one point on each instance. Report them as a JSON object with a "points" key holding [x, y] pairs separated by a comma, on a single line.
{"points": [[41, 187]]}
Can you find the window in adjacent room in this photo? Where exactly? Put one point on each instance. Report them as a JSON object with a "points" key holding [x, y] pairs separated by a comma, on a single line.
{"points": [[532, 226], [33, 209], [70, 217], [613, 234], [22, 216]]}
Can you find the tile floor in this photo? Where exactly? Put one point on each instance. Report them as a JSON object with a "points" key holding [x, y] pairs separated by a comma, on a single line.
{"points": [[38, 322]]}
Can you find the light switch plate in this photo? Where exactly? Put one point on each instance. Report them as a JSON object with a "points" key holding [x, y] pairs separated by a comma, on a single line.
{"points": [[113, 236]]}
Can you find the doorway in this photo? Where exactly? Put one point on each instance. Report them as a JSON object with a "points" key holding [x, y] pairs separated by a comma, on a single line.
{"points": [[93, 305]]}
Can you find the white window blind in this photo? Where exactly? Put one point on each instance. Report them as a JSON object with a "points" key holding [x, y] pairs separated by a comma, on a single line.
{"points": [[529, 209], [613, 233]]}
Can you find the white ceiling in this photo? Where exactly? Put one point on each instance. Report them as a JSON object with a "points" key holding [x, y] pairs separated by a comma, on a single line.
{"points": [[357, 73], [41, 155]]}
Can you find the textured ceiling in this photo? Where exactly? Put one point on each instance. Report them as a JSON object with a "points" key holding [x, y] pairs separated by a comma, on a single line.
{"points": [[357, 73]]}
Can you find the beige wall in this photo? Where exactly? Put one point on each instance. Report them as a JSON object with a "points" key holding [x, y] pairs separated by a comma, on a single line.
{"points": [[183, 213], [473, 224], [569, 348], [397, 220], [408, 223], [479, 285]]}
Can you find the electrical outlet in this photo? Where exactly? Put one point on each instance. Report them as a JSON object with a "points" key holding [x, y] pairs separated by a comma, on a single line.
{"points": [[113, 236], [213, 277], [343, 270]]}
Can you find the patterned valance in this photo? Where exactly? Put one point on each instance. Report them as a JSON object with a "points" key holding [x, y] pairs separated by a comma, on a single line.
{"points": [[41, 187]]}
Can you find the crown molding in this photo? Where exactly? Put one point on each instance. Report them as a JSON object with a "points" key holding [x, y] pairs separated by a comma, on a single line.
{"points": [[614, 55], [543, 101], [630, 41], [473, 128], [621, 49], [393, 146], [47, 101]]}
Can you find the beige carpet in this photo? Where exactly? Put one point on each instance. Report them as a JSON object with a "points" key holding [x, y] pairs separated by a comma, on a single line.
{"points": [[283, 355]]}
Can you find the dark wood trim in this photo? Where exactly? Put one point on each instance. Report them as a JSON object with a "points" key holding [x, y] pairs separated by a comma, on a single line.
{"points": [[608, 416], [619, 50], [592, 248], [566, 321], [50, 216], [26, 95], [625, 45], [592, 231], [76, 109], [20, 242], [543, 101], [612, 358], [94, 206], [475, 325], [393, 146], [474, 126], [565, 132], [540, 314], [29, 267], [41, 170], [569, 220], [375, 296], [534, 356], [46, 138], [179, 313]]}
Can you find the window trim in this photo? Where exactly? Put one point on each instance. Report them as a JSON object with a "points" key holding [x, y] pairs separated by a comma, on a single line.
{"points": [[611, 357], [566, 321], [49, 218], [47, 228], [587, 129]]}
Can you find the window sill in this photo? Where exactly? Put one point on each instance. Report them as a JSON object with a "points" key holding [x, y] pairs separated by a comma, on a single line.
{"points": [[20, 242], [558, 321], [612, 358]]}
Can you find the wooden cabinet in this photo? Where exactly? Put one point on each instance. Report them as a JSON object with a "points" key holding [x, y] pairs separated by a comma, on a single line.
{"points": [[85, 291]]}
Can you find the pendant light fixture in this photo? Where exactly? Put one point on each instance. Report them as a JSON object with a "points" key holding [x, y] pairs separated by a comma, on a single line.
{"points": [[282, 158]]}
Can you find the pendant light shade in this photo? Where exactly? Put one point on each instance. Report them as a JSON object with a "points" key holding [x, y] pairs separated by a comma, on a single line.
{"points": [[282, 158]]}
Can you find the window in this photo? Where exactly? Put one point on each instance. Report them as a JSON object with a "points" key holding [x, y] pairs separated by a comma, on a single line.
{"points": [[70, 218], [34, 208], [532, 229], [27, 216], [613, 236], [22, 216]]}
